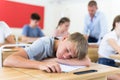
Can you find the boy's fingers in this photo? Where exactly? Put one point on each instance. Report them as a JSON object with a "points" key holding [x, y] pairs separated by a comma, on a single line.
{"points": [[58, 69], [47, 69], [52, 68]]}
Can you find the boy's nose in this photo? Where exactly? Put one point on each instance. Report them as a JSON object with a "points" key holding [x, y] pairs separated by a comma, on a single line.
{"points": [[66, 56]]}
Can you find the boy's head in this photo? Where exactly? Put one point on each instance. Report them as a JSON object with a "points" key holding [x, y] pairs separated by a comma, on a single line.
{"points": [[34, 19], [92, 7], [73, 46]]}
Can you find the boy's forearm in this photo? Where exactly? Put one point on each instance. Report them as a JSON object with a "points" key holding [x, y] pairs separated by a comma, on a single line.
{"points": [[18, 61], [75, 62]]}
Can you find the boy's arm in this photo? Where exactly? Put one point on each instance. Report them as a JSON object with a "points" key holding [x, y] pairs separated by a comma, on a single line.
{"points": [[20, 59], [74, 62]]}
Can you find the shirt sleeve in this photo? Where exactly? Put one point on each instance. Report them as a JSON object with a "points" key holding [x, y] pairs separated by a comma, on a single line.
{"points": [[7, 30], [41, 34], [36, 48], [85, 26], [103, 26], [112, 35], [25, 31]]}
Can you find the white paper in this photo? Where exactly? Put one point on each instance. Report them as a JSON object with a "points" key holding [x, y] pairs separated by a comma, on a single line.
{"points": [[68, 68]]}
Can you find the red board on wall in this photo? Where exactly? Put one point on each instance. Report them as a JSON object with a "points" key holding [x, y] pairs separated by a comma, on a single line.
{"points": [[18, 14]]}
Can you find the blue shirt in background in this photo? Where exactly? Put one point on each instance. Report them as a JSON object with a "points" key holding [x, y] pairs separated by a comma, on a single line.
{"points": [[97, 27], [32, 32]]}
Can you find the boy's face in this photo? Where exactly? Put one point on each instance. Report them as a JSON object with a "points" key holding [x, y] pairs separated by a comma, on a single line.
{"points": [[66, 50], [34, 23]]}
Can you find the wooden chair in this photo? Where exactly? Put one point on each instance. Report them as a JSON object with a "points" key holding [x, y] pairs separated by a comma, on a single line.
{"points": [[93, 54], [10, 48]]}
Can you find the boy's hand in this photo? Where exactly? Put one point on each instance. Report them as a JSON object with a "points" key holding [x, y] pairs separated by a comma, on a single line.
{"points": [[50, 67]]}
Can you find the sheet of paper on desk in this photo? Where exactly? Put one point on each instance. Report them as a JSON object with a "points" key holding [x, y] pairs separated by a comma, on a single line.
{"points": [[68, 68]]}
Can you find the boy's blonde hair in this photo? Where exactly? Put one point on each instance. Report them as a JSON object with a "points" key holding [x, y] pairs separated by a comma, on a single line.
{"points": [[80, 43]]}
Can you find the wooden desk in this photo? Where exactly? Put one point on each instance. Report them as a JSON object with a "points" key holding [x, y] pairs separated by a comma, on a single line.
{"points": [[33, 74], [93, 51], [115, 56], [93, 54], [12, 74], [9, 52]]}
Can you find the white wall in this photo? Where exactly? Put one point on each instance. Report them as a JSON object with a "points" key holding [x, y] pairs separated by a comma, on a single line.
{"points": [[74, 9], [77, 11]]}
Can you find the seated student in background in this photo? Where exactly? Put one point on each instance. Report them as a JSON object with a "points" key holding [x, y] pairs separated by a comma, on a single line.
{"points": [[95, 24], [71, 50], [62, 28], [32, 32], [110, 44], [6, 36]]}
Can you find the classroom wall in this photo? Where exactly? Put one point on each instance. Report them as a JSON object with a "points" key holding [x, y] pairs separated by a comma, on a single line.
{"points": [[77, 11], [74, 9]]}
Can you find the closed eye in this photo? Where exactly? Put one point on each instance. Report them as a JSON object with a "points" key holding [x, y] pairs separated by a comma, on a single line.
{"points": [[67, 51]]}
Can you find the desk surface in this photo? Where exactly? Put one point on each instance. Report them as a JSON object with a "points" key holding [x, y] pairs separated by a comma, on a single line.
{"points": [[33, 74], [115, 56]]}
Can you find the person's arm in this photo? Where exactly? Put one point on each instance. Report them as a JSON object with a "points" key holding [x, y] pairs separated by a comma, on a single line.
{"points": [[103, 26], [86, 30], [21, 59], [114, 76], [10, 39], [74, 62], [114, 45]]}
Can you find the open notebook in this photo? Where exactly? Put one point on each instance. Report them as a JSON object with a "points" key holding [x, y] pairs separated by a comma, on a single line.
{"points": [[68, 68]]}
